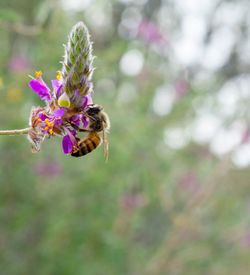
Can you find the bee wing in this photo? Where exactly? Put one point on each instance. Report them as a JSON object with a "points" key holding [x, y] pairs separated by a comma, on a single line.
{"points": [[105, 145]]}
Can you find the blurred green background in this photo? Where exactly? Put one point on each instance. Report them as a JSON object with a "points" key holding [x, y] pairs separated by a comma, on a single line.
{"points": [[174, 197]]}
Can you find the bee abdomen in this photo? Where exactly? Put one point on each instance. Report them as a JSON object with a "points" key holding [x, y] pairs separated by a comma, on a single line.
{"points": [[87, 145]]}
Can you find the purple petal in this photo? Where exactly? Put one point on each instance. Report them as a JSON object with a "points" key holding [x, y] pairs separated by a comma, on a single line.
{"points": [[56, 83], [57, 87], [59, 112], [87, 100], [75, 119], [85, 121], [67, 144], [72, 135], [84, 102], [40, 88], [43, 116], [58, 122]]}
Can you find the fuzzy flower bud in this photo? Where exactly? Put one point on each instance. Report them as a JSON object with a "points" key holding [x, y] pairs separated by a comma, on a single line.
{"points": [[77, 66]]}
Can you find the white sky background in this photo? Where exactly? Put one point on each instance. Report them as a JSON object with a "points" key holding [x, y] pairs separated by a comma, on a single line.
{"points": [[189, 50], [75, 5]]}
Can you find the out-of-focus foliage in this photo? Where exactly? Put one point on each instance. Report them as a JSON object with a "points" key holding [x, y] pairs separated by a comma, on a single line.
{"points": [[173, 198]]}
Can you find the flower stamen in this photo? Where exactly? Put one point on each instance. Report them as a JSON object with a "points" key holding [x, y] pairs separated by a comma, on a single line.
{"points": [[38, 74], [58, 75]]}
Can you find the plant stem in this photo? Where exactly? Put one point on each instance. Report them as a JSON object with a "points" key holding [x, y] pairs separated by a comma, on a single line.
{"points": [[21, 29], [14, 132]]}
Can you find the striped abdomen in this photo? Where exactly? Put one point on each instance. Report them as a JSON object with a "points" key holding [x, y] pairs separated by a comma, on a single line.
{"points": [[87, 145]]}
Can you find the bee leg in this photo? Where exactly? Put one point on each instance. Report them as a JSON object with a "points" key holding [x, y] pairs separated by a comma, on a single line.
{"points": [[83, 130]]}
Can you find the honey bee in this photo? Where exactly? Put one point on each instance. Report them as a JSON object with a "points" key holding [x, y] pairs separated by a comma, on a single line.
{"points": [[99, 125]]}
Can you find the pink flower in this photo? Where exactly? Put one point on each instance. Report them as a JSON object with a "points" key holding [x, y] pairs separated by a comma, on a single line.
{"points": [[18, 64], [245, 136], [181, 87], [48, 168], [55, 118], [189, 182], [132, 201], [245, 240], [150, 32]]}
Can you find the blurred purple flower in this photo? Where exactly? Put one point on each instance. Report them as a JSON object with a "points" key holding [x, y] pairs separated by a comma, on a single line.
{"points": [[18, 64], [245, 136], [181, 87], [130, 201], [48, 168], [149, 32], [245, 240], [189, 182]]}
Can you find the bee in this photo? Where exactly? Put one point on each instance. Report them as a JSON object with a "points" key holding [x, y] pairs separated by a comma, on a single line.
{"points": [[99, 125]]}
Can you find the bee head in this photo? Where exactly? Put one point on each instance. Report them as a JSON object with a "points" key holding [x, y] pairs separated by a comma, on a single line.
{"points": [[94, 109]]}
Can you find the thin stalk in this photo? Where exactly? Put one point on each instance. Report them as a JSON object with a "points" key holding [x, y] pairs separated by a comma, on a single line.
{"points": [[14, 132]]}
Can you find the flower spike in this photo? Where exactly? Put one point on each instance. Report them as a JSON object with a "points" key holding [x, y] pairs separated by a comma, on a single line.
{"points": [[77, 66]]}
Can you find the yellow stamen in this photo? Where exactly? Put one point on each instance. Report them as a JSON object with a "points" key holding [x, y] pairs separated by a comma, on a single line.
{"points": [[58, 75], [47, 121], [38, 74], [49, 126]]}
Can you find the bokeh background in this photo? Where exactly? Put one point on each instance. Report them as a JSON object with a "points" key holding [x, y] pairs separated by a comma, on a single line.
{"points": [[174, 197]]}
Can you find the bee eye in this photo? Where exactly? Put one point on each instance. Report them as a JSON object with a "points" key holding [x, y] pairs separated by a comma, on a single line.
{"points": [[93, 110], [96, 110]]}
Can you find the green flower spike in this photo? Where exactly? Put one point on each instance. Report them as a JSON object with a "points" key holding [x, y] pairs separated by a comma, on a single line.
{"points": [[77, 66]]}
